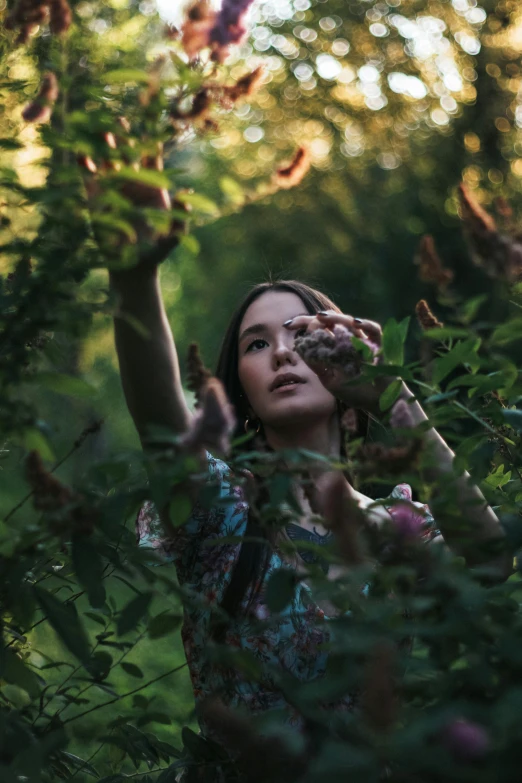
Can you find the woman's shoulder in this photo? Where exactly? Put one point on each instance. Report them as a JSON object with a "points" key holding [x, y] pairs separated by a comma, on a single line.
{"points": [[218, 506]]}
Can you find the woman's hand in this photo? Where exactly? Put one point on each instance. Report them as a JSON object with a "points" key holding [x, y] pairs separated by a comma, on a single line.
{"points": [[122, 228], [337, 380]]}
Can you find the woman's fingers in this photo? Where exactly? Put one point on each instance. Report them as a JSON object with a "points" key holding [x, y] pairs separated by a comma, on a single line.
{"points": [[371, 328], [328, 319]]}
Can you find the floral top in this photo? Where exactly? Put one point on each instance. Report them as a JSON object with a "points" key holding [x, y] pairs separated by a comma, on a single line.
{"points": [[291, 643]]}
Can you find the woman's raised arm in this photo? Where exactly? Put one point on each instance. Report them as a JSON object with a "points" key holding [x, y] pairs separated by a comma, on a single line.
{"points": [[147, 355]]}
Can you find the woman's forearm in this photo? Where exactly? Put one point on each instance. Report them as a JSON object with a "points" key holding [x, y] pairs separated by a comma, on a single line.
{"points": [[147, 355], [472, 505]]}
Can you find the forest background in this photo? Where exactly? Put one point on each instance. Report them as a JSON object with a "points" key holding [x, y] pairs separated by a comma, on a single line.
{"points": [[396, 102]]}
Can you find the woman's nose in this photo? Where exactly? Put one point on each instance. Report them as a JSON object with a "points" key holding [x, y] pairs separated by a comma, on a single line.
{"points": [[284, 353]]}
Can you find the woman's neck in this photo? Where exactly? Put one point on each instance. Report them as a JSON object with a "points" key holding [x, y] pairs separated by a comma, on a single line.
{"points": [[322, 437]]}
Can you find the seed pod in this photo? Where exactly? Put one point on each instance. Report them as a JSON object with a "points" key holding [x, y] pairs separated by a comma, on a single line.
{"points": [[425, 317], [289, 176], [197, 374], [431, 268], [40, 109]]}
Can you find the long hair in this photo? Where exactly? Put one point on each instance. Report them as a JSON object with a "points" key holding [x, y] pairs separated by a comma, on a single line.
{"points": [[254, 558]]}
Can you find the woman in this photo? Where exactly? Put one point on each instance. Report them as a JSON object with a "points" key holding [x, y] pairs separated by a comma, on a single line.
{"points": [[273, 391]]}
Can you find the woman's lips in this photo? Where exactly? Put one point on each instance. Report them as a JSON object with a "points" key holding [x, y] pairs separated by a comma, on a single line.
{"points": [[287, 387]]}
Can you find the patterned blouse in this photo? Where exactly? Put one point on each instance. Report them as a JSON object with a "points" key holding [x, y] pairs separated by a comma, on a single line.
{"points": [[291, 642]]}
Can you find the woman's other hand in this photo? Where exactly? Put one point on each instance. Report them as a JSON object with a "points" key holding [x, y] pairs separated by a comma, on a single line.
{"points": [[337, 379]]}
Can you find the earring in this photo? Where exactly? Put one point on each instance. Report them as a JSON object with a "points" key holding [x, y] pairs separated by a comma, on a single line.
{"points": [[247, 426]]}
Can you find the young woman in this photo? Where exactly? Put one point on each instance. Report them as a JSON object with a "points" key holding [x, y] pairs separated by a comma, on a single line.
{"points": [[293, 406]]}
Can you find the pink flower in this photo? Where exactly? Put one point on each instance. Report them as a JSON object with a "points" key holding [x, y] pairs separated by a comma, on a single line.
{"points": [[407, 521], [466, 740]]}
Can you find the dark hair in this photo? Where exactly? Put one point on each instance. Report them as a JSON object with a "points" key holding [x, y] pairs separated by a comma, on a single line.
{"points": [[253, 558]]}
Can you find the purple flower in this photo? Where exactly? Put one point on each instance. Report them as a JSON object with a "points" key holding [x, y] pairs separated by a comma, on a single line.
{"points": [[407, 521], [334, 349], [229, 27], [467, 740]]}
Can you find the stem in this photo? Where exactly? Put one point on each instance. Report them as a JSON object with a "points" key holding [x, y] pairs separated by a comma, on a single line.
{"points": [[78, 442], [124, 695]]}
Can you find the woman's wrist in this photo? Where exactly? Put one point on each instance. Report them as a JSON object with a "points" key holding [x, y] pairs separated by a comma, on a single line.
{"points": [[129, 281]]}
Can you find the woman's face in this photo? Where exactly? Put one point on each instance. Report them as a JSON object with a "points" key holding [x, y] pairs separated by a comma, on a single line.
{"points": [[266, 355]]}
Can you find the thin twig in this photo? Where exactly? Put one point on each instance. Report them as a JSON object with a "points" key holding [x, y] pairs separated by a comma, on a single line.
{"points": [[76, 445], [124, 695]]}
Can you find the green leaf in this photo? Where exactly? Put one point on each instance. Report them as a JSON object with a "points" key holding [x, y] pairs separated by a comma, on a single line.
{"points": [[390, 394], [123, 75], [88, 567], [393, 339], [199, 202], [18, 697], [34, 440], [80, 764], [10, 144], [64, 384], [180, 509], [131, 615], [190, 242], [464, 352], [113, 224], [471, 307], [508, 332], [16, 672], [280, 589], [149, 177], [513, 418], [163, 624], [232, 190], [131, 669], [498, 478], [445, 332], [65, 622]]}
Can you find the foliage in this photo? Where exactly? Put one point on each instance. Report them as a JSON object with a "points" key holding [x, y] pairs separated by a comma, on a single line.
{"points": [[70, 569]]}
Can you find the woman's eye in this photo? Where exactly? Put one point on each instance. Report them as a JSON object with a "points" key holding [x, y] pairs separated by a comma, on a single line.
{"points": [[300, 332], [258, 343]]}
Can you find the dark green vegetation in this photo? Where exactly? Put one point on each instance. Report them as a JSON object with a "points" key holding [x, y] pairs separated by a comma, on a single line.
{"points": [[387, 165]]}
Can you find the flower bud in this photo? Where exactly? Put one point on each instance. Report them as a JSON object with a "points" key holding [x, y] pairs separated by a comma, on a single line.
{"points": [[467, 740]]}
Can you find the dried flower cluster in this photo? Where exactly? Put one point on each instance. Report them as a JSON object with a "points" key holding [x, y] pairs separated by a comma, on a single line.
{"points": [[377, 459], [210, 94], [26, 15], [425, 317], [212, 425], [50, 495], [431, 268], [197, 374], [334, 349], [90, 429], [217, 30], [500, 255], [379, 701], [40, 109], [258, 758], [291, 175]]}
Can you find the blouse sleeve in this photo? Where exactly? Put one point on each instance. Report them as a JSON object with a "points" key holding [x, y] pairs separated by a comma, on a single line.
{"points": [[428, 526], [195, 547]]}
